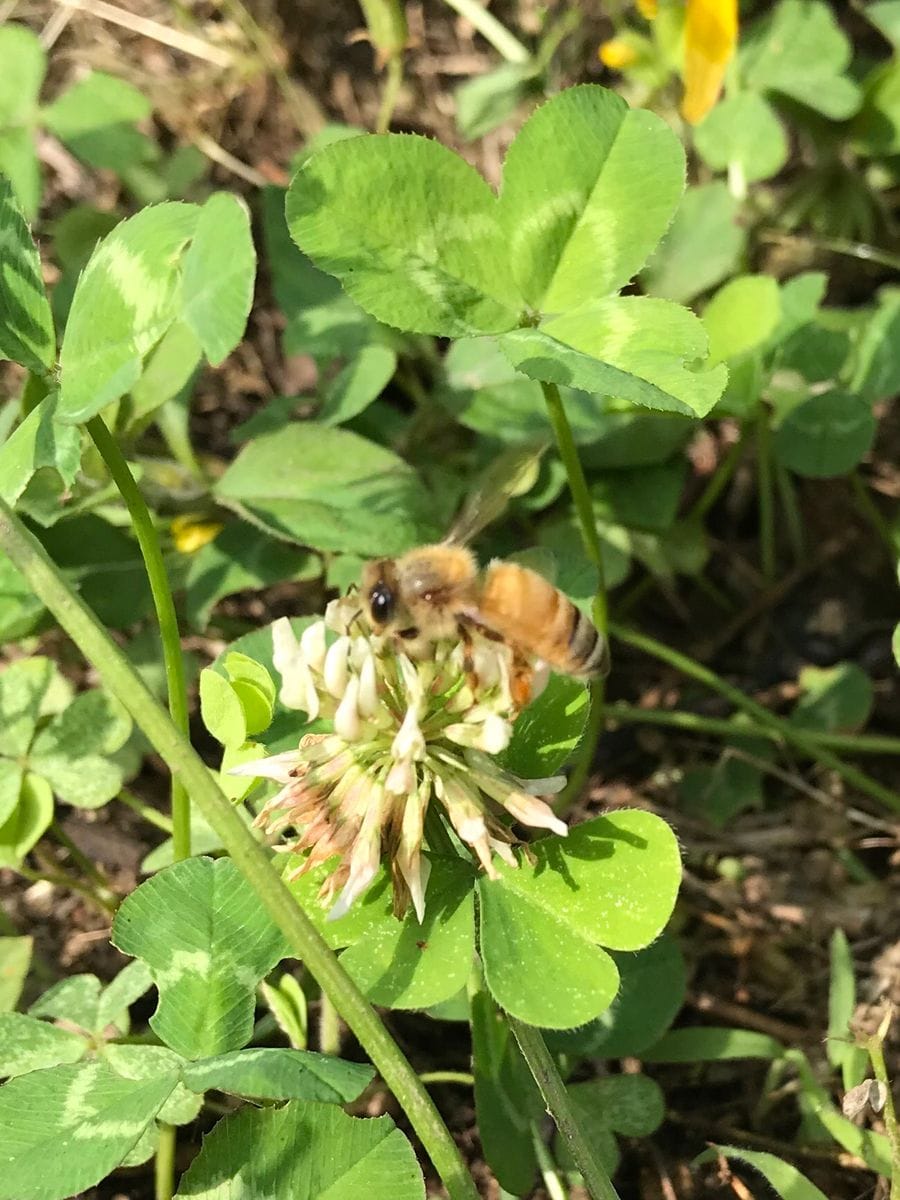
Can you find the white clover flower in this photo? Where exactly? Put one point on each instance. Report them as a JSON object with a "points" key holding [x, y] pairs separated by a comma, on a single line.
{"points": [[405, 733]]}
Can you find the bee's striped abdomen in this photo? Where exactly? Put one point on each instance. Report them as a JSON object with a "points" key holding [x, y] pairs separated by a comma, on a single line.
{"points": [[588, 650]]}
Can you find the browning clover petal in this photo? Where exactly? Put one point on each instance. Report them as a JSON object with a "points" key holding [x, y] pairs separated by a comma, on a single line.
{"points": [[404, 732]]}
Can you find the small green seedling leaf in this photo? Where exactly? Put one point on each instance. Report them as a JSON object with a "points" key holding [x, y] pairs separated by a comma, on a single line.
{"points": [[743, 134], [11, 776], [355, 387], [329, 489], [96, 119], [221, 709], [277, 1074], [834, 699], [629, 1105], [15, 959], [703, 246], [826, 435], [843, 1053], [66, 1128], [218, 275], [486, 101], [548, 730], [244, 1157], [287, 1002], [800, 51], [411, 230], [242, 667], [784, 1178], [741, 316], [125, 300], [28, 822], [578, 212], [27, 1044], [39, 441], [708, 1044], [26, 323], [255, 705], [200, 930]]}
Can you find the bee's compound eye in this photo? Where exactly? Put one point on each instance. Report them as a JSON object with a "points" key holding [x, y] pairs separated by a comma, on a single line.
{"points": [[381, 603]]}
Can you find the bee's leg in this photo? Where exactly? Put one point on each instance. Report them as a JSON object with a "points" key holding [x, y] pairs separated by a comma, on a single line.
{"points": [[521, 679]]}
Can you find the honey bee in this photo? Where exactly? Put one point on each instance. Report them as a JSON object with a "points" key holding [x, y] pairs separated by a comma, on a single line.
{"points": [[439, 591]]}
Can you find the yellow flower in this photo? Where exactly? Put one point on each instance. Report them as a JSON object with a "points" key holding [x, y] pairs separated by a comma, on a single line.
{"points": [[710, 38], [648, 8], [190, 532], [617, 54]]}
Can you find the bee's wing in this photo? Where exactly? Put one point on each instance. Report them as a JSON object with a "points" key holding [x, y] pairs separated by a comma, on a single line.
{"points": [[512, 473]]}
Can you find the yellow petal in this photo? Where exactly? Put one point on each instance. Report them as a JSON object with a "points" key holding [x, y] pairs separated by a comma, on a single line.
{"points": [[710, 37], [616, 54], [190, 533], [648, 8]]}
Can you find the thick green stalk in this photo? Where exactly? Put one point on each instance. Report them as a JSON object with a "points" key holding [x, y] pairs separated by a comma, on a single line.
{"points": [[165, 615], [164, 1164], [587, 523], [784, 729], [249, 856], [547, 1077], [850, 743]]}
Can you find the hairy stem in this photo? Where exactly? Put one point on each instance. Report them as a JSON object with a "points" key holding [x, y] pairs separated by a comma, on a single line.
{"points": [[786, 732], [587, 523], [249, 856], [547, 1077], [165, 615]]}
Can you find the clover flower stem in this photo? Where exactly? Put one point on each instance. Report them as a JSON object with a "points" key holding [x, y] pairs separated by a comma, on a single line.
{"points": [[164, 1164], [584, 509], [548, 1168], [781, 730], [165, 613], [546, 1076], [251, 859]]}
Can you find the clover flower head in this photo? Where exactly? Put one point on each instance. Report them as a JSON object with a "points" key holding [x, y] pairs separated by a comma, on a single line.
{"points": [[405, 734]]}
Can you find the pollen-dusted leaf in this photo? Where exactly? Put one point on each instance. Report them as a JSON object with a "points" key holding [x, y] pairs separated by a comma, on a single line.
{"points": [[538, 966], [408, 965], [27, 1044], [126, 298], [548, 730], [200, 929], [330, 489], [800, 50], [634, 348], [66, 1128], [785, 1179], [96, 118], [613, 879], [826, 435], [26, 323], [218, 276], [412, 232], [269, 1073], [589, 188], [40, 441], [15, 959], [28, 821], [329, 1154], [743, 133]]}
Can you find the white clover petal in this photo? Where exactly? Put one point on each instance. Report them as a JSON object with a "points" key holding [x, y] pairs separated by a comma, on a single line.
{"points": [[409, 742], [531, 811], [336, 670], [278, 767], [285, 647], [491, 736], [346, 718], [401, 779], [368, 687], [550, 785], [312, 643], [416, 873]]}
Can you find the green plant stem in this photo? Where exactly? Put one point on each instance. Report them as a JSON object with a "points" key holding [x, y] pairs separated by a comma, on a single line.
{"points": [[766, 495], [460, 1077], [104, 887], [548, 1168], [788, 733], [62, 879], [393, 82], [587, 523], [719, 480], [145, 811], [249, 856], [508, 46], [165, 614], [547, 1077], [850, 743], [329, 1027], [791, 508], [871, 512], [875, 1047], [164, 1165]]}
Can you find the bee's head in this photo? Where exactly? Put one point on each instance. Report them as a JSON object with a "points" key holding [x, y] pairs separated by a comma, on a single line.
{"points": [[379, 593]]}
